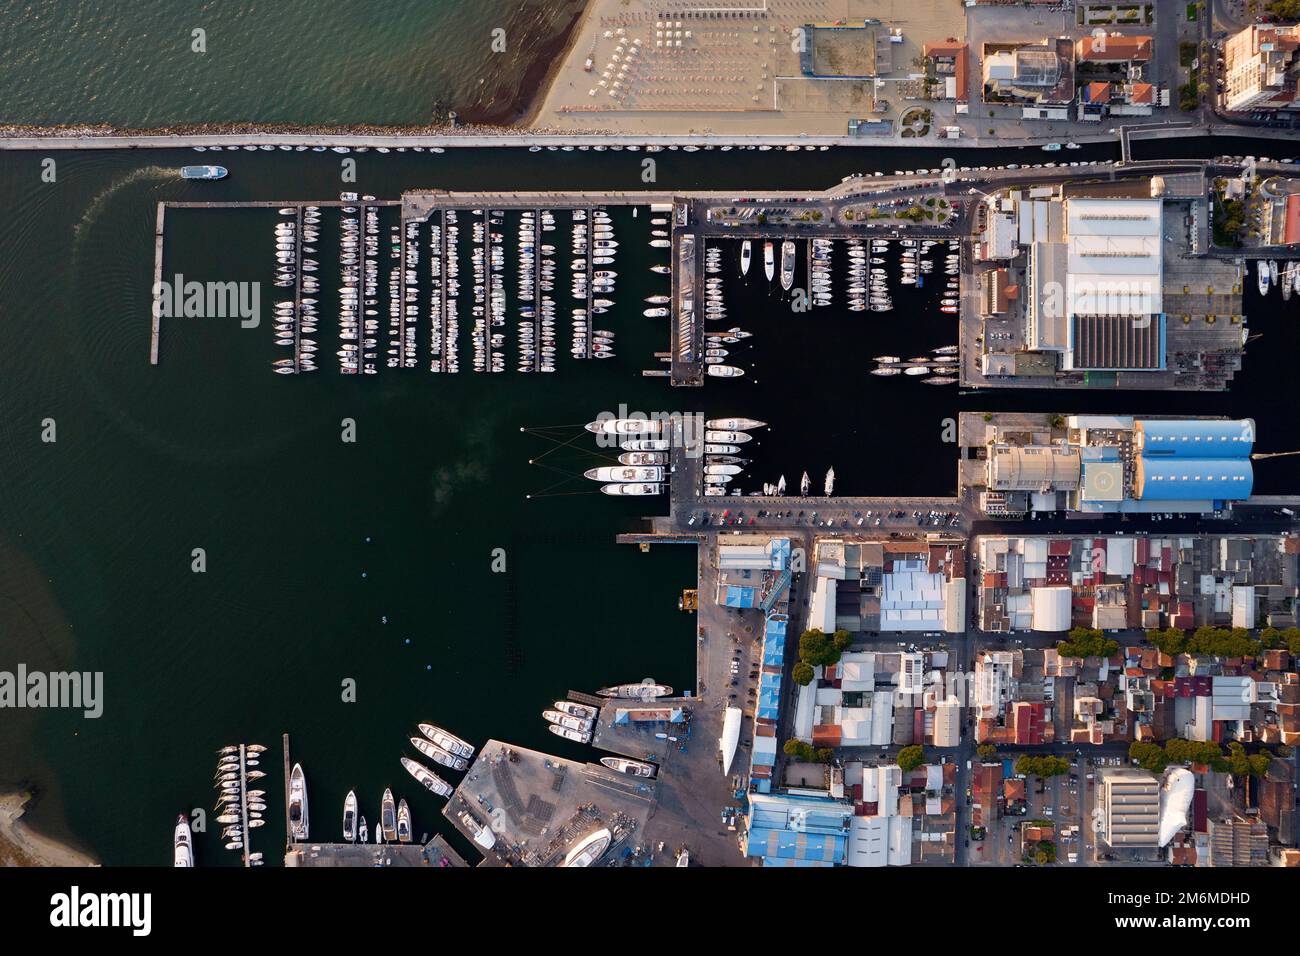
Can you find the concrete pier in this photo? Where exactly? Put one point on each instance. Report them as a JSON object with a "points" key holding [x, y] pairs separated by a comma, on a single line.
{"points": [[156, 320]]}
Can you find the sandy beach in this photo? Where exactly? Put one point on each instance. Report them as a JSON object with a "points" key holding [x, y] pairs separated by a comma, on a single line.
{"points": [[20, 845]]}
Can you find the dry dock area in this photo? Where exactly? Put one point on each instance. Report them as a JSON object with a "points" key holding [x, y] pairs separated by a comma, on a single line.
{"points": [[437, 852], [540, 806]]}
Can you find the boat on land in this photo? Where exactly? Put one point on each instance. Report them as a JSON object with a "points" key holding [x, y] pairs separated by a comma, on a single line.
{"points": [[633, 768], [427, 778], [203, 172], [182, 842], [787, 264], [481, 832], [769, 261], [644, 690], [448, 741], [746, 252], [589, 849], [350, 817], [388, 817], [438, 755], [298, 818]]}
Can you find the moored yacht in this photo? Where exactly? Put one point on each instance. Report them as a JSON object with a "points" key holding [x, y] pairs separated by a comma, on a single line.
{"points": [[388, 817], [448, 741], [769, 261], [438, 755], [427, 778], [645, 690], [350, 817], [182, 842], [787, 264], [626, 473], [298, 820], [745, 253], [403, 822]]}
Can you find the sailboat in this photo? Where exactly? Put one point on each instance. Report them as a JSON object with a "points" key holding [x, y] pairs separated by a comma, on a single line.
{"points": [[804, 484], [830, 482], [769, 261], [780, 486], [745, 253]]}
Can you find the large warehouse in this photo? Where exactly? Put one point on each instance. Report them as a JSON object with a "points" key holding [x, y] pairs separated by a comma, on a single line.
{"points": [[1201, 459]]}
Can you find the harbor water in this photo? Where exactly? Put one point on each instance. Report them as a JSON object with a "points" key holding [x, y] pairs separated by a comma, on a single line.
{"points": [[329, 562]]}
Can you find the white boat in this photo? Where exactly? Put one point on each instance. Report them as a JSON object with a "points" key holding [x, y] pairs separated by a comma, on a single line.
{"points": [[643, 458], [724, 371], [363, 832], [438, 755], [182, 842], [745, 253], [626, 426], [916, 370], [350, 817], [645, 444], [734, 424], [830, 482], [722, 449], [388, 817], [481, 832], [885, 370], [633, 768], [447, 741], [581, 724], [720, 470], [730, 438], [585, 711], [627, 473], [804, 484], [787, 264], [298, 819], [1051, 147], [769, 261], [568, 733], [780, 486], [1262, 276], [403, 822], [645, 690], [203, 172], [632, 489], [655, 312], [589, 849], [731, 720]]}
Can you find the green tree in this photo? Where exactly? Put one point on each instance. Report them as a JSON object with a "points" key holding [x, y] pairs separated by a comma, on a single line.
{"points": [[1149, 756], [1087, 642], [802, 674], [825, 755], [1041, 766], [909, 758], [818, 649], [799, 749], [986, 751]]}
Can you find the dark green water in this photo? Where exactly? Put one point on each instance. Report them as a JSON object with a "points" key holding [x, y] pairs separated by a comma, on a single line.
{"points": [[210, 450], [402, 62]]}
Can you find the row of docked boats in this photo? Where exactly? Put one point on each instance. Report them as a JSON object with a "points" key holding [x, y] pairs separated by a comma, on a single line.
{"points": [[594, 248], [240, 809], [643, 466], [723, 452], [1286, 277], [939, 368], [572, 721]]}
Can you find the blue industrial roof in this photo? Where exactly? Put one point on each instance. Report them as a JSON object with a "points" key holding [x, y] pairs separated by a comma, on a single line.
{"points": [[738, 596], [1195, 438], [1198, 479], [780, 552]]}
